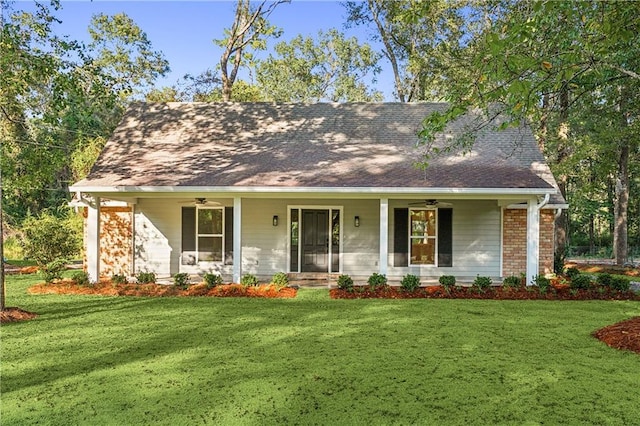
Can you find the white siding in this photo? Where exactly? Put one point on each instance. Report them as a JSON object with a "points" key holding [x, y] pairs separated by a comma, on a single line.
{"points": [[157, 236]]}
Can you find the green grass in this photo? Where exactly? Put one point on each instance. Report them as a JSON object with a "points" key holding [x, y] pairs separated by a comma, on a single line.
{"points": [[312, 360]]}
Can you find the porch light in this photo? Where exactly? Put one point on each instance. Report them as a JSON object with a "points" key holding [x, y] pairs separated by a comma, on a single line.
{"points": [[275, 220], [356, 221]]}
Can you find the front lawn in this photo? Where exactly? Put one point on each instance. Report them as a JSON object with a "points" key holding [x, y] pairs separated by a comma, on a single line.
{"points": [[312, 360]]}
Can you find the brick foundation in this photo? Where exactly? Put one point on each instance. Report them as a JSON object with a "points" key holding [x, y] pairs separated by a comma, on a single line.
{"points": [[514, 241]]}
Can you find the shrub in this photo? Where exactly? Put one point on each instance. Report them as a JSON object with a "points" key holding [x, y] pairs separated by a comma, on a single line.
{"points": [[410, 282], [145, 277], [604, 280], [482, 283], [377, 280], [212, 280], [512, 281], [280, 279], [119, 279], [345, 283], [580, 281], [53, 270], [447, 281], [248, 280], [181, 280], [542, 282], [80, 278], [558, 262], [572, 272], [620, 283], [48, 238]]}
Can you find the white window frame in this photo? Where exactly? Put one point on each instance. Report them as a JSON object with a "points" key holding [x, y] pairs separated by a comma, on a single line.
{"points": [[199, 235], [434, 237]]}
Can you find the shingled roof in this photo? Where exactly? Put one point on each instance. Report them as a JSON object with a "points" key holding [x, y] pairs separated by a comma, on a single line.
{"points": [[321, 145]]}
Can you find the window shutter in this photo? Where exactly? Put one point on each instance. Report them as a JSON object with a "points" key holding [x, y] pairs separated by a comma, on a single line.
{"points": [[188, 256], [401, 237], [445, 237], [228, 235]]}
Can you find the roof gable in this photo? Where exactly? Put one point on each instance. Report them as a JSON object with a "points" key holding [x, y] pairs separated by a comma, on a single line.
{"points": [[305, 145]]}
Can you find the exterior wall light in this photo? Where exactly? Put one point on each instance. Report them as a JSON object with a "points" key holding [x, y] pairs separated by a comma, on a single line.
{"points": [[275, 220], [356, 221]]}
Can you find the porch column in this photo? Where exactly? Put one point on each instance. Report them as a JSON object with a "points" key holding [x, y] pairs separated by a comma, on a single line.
{"points": [[533, 239], [237, 239], [384, 235], [93, 241]]}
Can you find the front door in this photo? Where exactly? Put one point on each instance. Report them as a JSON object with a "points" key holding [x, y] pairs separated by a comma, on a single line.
{"points": [[315, 241]]}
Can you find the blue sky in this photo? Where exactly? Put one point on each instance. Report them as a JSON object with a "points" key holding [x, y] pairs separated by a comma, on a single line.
{"points": [[184, 30]]}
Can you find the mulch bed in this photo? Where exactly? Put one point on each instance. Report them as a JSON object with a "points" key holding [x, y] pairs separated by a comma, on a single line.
{"points": [[600, 268], [557, 292], [13, 314], [106, 288], [624, 335]]}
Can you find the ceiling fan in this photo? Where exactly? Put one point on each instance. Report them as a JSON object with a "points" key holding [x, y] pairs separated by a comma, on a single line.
{"points": [[200, 201], [431, 203]]}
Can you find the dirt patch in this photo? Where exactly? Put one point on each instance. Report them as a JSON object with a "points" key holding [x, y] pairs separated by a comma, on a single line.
{"points": [[14, 314], [106, 288], [602, 268], [624, 335]]}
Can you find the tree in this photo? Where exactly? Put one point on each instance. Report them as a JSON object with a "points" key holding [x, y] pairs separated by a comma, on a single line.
{"points": [[331, 67], [418, 40], [249, 29], [539, 61]]}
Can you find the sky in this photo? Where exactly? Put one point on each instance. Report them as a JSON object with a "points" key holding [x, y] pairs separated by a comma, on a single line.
{"points": [[184, 30]]}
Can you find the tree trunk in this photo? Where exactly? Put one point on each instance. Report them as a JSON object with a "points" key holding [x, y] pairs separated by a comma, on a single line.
{"points": [[2, 288], [620, 208], [562, 220]]}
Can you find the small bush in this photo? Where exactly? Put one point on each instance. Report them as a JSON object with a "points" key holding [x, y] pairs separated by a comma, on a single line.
{"points": [[580, 281], [620, 283], [280, 279], [145, 277], [119, 279], [249, 280], [212, 280], [345, 283], [80, 278], [53, 270], [558, 262], [482, 283], [572, 272], [377, 280], [542, 282], [604, 280], [48, 238], [410, 282], [447, 281], [512, 281], [181, 280]]}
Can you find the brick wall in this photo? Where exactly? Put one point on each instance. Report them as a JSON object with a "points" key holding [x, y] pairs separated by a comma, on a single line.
{"points": [[116, 240], [514, 241]]}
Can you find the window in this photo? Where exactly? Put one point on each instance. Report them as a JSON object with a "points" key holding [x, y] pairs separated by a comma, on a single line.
{"points": [[423, 236], [210, 234]]}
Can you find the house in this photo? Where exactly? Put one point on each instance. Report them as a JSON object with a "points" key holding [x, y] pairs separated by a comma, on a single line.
{"points": [[238, 188]]}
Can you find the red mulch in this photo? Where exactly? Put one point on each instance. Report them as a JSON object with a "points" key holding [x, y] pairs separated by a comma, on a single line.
{"points": [[624, 335], [598, 268], [106, 288], [558, 292], [15, 314]]}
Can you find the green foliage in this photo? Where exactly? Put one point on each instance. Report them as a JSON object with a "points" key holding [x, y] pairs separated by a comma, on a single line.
{"points": [[48, 237], [558, 262], [410, 282], [146, 277], [604, 280], [542, 282], [620, 283], [482, 283], [181, 280], [119, 279], [345, 282], [53, 270], [580, 282], [249, 280], [512, 281], [280, 279], [376, 280], [212, 280], [572, 272], [80, 278], [447, 281]]}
